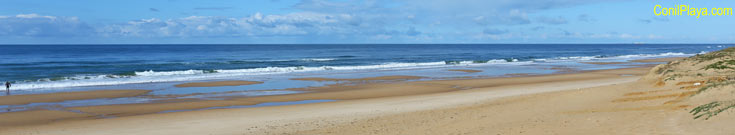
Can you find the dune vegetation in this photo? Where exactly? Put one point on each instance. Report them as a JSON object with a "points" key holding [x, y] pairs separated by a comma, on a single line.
{"points": [[710, 78]]}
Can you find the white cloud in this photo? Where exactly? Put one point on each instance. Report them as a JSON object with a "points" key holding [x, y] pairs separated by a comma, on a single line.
{"points": [[456, 12], [35, 25], [32, 16], [313, 20], [258, 24], [299, 24]]}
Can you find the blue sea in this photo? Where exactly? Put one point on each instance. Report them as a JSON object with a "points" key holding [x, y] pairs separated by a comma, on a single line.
{"points": [[54, 67]]}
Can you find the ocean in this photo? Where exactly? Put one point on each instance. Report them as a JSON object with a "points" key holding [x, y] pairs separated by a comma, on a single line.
{"points": [[50, 67]]}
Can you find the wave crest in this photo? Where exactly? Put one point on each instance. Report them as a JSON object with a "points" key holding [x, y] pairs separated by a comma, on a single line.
{"points": [[193, 74]]}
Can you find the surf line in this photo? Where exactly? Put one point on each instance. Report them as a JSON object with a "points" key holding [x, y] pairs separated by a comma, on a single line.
{"points": [[677, 10]]}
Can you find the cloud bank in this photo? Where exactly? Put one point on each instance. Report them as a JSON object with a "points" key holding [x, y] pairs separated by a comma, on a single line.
{"points": [[326, 21], [34, 25]]}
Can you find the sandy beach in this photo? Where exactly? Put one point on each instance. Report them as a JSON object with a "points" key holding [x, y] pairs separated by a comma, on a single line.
{"points": [[616, 101], [63, 96], [354, 106], [366, 67]]}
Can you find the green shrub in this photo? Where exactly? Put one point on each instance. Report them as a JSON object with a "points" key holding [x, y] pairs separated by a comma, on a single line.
{"points": [[714, 55], [720, 65], [709, 110], [713, 85]]}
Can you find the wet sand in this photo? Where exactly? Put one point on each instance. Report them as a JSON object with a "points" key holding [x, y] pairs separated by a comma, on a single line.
{"points": [[659, 59], [337, 92], [63, 96], [217, 83], [604, 63], [380, 78], [465, 70], [563, 69]]}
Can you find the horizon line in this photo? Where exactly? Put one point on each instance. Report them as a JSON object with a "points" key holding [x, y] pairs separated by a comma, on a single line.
{"points": [[373, 44]]}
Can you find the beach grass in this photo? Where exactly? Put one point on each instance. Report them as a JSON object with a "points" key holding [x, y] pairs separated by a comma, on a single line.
{"points": [[720, 65], [711, 109]]}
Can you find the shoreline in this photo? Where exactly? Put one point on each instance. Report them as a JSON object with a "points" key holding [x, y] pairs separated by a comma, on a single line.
{"points": [[379, 78], [341, 93], [337, 92], [64, 96], [362, 105], [217, 83], [133, 78], [667, 59]]}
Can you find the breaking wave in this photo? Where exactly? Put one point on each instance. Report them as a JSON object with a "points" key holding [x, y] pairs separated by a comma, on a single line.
{"points": [[150, 76]]}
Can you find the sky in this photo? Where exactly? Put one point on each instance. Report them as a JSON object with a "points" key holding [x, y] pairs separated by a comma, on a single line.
{"points": [[357, 22]]}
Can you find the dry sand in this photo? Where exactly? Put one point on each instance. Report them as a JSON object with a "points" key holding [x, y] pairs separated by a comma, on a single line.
{"points": [[36, 117], [217, 83]]}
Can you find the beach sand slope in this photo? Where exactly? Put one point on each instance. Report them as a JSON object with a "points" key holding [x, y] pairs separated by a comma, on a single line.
{"points": [[687, 96]]}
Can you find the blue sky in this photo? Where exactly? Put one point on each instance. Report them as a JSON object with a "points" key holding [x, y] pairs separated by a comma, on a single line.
{"points": [[356, 21]]}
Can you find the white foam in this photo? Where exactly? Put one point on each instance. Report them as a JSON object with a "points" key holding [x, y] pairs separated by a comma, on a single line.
{"points": [[620, 57], [668, 54], [287, 60], [539, 59], [165, 73], [189, 75], [151, 76]]}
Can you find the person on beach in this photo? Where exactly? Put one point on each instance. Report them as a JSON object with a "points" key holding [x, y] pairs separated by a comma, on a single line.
{"points": [[7, 88]]}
